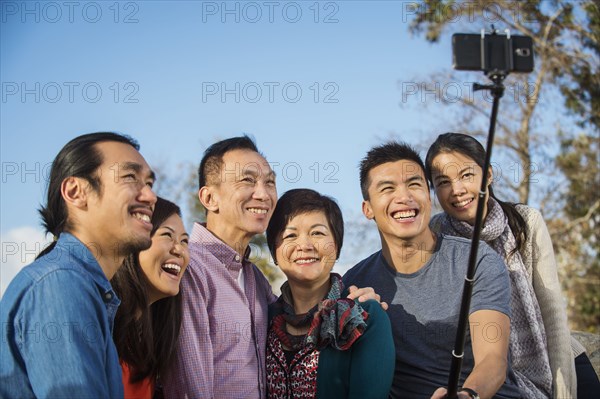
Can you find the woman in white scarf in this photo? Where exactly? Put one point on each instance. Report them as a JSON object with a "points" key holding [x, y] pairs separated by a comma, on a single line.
{"points": [[540, 342]]}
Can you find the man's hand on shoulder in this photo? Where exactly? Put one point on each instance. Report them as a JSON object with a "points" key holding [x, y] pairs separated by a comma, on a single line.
{"points": [[440, 393], [364, 294]]}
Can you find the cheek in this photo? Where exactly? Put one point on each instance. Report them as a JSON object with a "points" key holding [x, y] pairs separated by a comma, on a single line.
{"points": [[442, 193], [329, 249], [150, 258], [285, 250]]}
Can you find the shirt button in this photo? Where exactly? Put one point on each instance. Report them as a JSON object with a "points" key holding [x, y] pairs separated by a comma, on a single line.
{"points": [[108, 296], [237, 258]]}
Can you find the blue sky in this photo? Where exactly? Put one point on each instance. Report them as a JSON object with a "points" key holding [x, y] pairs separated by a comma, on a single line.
{"points": [[315, 83]]}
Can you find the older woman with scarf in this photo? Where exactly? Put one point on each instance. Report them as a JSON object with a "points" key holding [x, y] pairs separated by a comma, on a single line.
{"points": [[321, 344], [540, 344]]}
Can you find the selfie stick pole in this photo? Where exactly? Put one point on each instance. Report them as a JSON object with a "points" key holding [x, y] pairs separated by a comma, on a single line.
{"points": [[497, 90]]}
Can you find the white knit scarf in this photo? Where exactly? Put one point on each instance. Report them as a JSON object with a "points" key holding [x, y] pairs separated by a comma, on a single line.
{"points": [[528, 348]]}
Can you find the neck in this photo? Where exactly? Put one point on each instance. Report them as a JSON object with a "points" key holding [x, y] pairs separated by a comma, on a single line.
{"points": [[233, 238], [408, 256], [307, 296], [106, 255]]}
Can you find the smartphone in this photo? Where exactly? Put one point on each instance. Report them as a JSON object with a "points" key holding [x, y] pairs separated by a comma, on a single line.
{"points": [[474, 52]]}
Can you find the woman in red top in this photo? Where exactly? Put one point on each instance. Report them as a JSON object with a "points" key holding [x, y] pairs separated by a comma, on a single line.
{"points": [[149, 317]]}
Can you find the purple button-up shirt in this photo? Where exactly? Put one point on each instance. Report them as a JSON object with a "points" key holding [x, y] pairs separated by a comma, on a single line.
{"points": [[221, 351]]}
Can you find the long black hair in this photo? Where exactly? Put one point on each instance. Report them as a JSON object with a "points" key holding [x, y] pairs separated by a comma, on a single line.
{"points": [[80, 157], [469, 147], [146, 336]]}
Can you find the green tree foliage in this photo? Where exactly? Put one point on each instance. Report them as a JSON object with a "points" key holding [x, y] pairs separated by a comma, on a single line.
{"points": [[577, 234]]}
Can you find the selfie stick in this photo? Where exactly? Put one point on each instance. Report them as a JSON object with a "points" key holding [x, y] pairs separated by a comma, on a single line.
{"points": [[497, 90]]}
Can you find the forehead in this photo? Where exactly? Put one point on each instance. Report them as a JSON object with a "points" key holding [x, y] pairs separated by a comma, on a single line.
{"points": [[308, 219], [450, 163], [398, 171], [174, 222], [245, 161], [115, 153]]}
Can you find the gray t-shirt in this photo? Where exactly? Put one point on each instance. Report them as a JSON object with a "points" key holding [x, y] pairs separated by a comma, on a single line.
{"points": [[424, 309]]}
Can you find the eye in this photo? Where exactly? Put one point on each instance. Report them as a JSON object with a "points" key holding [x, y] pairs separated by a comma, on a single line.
{"points": [[441, 183], [166, 234], [289, 236], [185, 241], [385, 189], [150, 183], [317, 233], [271, 182], [468, 175], [248, 179], [131, 177]]}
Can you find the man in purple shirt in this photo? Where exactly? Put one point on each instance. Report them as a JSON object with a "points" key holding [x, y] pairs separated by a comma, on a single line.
{"points": [[221, 351]]}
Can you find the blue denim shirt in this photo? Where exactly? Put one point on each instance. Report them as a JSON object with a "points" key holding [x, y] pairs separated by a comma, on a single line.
{"points": [[57, 318]]}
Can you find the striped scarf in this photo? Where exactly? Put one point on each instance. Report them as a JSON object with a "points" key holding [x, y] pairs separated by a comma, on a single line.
{"points": [[527, 346]]}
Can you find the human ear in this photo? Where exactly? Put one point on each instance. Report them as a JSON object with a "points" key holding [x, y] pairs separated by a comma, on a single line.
{"points": [[208, 198], [74, 191], [490, 176], [367, 210]]}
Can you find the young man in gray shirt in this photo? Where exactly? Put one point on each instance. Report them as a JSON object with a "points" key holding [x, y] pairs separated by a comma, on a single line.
{"points": [[421, 276]]}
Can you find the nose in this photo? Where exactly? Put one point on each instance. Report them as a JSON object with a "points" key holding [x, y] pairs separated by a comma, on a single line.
{"points": [[177, 249], [261, 192], [305, 244], [147, 195], [403, 196], [458, 188]]}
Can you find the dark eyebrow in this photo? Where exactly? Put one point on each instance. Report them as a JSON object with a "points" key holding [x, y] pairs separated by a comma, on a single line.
{"points": [[415, 178], [137, 168], [134, 166], [185, 233], [460, 172], [319, 225], [254, 173], [384, 182]]}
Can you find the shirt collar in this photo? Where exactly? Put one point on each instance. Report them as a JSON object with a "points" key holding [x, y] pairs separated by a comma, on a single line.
{"points": [[223, 252], [81, 254]]}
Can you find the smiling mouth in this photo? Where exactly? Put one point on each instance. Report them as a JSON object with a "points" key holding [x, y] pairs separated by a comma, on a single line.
{"points": [[171, 268], [462, 204], [141, 216], [305, 261], [407, 214], [258, 211]]}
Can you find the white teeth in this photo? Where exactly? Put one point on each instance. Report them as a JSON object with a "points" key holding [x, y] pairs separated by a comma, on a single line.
{"points": [[462, 203], [304, 261], [404, 214], [259, 211], [171, 266], [142, 217]]}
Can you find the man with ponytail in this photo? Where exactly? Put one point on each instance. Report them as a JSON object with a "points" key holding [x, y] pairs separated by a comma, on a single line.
{"points": [[57, 314]]}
